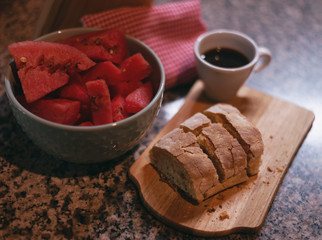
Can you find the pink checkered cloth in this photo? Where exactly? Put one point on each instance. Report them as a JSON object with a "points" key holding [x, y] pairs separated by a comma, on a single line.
{"points": [[170, 30]]}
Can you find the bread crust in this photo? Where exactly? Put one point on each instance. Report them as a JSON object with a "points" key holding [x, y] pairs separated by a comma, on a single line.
{"points": [[195, 171], [224, 150], [209, 152], [244, 131]]}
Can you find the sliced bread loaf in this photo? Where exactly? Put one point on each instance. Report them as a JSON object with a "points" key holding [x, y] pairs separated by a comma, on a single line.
{"points": [[209, 152]]}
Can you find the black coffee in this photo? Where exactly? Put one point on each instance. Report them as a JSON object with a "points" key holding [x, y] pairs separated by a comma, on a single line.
{"points": [[225, 57]]}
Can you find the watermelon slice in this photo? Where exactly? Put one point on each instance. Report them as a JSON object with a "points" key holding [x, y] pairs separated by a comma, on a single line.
{"points": [[104, 70], [118, 108], [37, 83], [135, 68], [101, 45], [62, 111], [45, 66], [101, 106], [139, 98]]}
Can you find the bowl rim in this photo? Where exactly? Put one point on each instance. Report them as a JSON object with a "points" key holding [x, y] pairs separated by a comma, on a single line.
{"points": [[158, 94]]}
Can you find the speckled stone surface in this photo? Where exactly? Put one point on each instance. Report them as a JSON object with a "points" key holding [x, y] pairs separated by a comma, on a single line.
{"points": [[44, 198]]}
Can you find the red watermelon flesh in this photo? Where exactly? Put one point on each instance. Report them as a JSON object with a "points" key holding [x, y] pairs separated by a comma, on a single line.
{"points": [[29, 54], [44, 66], [37, 83], [62, 111], [78, 78], [118, 108], [104, 70], [101, 45], [87, 123], [75, 91], [125, 88], [139, 98], [101, 106], [135, 68]]}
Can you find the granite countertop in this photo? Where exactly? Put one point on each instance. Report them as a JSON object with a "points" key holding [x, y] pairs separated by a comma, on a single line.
{"points": [[45, 198]]}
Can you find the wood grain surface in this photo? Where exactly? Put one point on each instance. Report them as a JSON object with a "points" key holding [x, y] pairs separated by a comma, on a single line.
{"points": [[243, 207]]}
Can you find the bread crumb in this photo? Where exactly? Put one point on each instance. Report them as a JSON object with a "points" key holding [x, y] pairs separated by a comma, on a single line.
{"points": [[269, 169], [224, 215], [220, 197], [266, 182], [271, 137], [279, 169], [211, 210]]}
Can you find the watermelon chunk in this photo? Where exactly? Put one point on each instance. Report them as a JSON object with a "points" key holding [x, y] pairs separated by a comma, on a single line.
{"points": [[62, 111], [44, 66], [139, 98], [104, 70], [125, 88], [75, 90], [135, 68], [118, 108], [101, 106], [101, 45]]}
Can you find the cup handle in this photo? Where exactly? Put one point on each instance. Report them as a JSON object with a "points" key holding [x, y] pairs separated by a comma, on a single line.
{"points": [[264, 59]]}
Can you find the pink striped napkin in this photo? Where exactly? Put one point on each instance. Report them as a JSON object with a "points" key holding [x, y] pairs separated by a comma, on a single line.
{"points": [[169, 29]]}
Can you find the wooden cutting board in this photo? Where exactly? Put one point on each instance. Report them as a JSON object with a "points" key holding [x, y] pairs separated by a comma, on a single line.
{"points": [[283, 126]]}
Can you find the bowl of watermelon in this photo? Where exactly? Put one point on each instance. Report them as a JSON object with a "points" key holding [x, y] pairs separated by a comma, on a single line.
{"points": [[85, 95]]}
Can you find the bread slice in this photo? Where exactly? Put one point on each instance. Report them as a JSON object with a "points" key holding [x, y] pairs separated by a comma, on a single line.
{"points": [[225, 151], [247, 134], [179, 158], [195, 123]]}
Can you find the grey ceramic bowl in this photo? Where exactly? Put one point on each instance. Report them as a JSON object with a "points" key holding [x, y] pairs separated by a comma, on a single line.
{"points": [[94, 143]]}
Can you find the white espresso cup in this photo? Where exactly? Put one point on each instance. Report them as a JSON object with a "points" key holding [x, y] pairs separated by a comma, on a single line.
{"points": [[223, 79]]}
